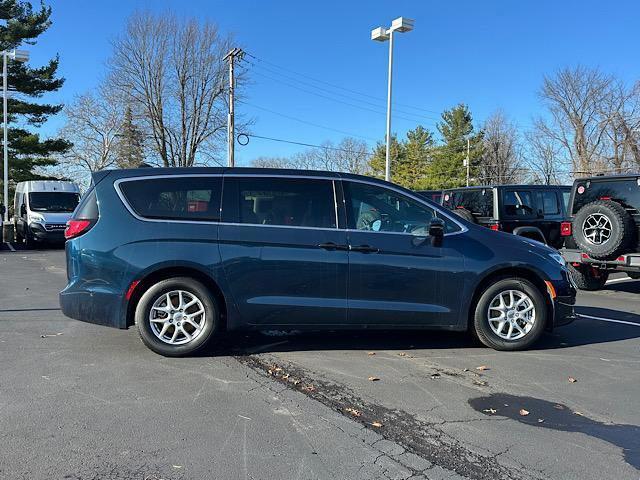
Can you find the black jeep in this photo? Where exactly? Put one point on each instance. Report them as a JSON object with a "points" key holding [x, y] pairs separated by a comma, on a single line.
{"points": [[602, 235], [533, 211]]}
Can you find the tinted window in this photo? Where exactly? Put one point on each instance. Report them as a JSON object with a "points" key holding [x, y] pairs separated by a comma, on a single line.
{"points": [[479, 202], [287, 201], [378, 209], [566, 196], [548, 201], [626, 192], [518, 203], [88, 207], [53, 201], [175, 198]]}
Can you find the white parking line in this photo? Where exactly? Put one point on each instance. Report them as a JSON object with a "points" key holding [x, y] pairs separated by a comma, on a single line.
{"points": [[624, 322], [623, 279], [10, 246]]}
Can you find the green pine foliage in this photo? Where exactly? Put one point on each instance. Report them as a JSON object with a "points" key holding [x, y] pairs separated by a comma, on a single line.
{"points": [[130, 147], [27, 150]]}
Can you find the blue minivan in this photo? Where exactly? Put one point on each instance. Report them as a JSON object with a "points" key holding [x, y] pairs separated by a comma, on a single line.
{"points": [[186, 254]]}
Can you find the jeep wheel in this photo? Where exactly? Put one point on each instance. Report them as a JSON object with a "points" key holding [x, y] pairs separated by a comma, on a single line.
{"points": [[466, 214], [603, 229], [588, 278]]}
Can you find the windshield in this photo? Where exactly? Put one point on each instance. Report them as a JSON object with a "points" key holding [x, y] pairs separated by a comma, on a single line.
{"points": [[53, 201]]}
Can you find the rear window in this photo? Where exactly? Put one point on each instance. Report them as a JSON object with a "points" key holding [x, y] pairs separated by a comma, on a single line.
{"points": [[479, 202], [287, 202], [548, 201], [623, 191], [174, 198], [88, 207]]}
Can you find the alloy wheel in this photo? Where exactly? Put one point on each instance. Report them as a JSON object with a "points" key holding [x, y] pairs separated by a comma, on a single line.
{"points": [[511, 314], [597, 228], [177, 317]]}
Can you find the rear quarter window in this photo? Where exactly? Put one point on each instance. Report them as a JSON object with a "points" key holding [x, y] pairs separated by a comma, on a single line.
{"points": [[174, 198], [479, 202]]}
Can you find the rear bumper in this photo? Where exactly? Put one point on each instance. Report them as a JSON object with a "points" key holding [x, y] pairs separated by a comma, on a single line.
{"points": [[624, 263], [101, 308]]}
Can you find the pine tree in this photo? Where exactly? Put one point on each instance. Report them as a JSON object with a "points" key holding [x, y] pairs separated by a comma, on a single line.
{"points": [[447, 168], [27, 151], [130, 148]]}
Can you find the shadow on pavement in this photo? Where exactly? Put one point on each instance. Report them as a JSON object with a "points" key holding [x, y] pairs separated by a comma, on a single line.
{"points": [[541, 413], [630, 286]]}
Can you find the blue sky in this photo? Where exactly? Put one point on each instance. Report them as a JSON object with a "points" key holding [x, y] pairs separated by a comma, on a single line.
{"points": [[491, 54]]}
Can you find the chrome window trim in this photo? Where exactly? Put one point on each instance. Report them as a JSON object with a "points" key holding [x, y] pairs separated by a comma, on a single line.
{"points": [[333, 179]]}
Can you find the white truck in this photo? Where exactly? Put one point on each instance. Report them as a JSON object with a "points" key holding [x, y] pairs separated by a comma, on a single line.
{"points": [[42, 209]]}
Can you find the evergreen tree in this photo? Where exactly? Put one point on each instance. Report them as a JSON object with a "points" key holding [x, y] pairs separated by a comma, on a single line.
{"points": [[410, 158], [130, 147], [447, 168], [27, 151]]}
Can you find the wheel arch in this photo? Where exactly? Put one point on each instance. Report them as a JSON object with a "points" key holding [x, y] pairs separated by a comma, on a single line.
{"points": [[524, 230], [499, 273], [163, 273]]}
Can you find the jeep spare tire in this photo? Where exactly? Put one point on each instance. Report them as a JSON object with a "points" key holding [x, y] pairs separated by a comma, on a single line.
{"points": [[603, 229], [466, 214]]}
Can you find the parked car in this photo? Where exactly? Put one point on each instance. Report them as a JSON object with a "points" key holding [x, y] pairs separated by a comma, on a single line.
{"points": [[532, 211], [42, 209], [188, 253], [434, 195], [602, 234]]}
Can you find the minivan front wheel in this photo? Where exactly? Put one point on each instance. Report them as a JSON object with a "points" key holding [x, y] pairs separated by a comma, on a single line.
{"points": [[177, 317], [510, 314]]}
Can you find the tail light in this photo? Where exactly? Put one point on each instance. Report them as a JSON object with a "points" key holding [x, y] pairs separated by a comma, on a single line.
{"points": [[75, 228], [565, 229], [84, 218], [495, 227]]}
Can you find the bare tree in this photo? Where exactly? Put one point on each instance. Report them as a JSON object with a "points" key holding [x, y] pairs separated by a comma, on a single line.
{"points": [[349, 155], [575, 97], [501, 161], [93, 124], [544, 158], [173, 72]]}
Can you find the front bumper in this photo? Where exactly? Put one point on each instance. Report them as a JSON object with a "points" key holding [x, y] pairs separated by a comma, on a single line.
{"points": [[563, 310], [44, 234]]}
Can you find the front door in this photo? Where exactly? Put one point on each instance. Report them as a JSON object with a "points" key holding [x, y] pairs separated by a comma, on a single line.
{"points": [[284, 258], [396, 276]]}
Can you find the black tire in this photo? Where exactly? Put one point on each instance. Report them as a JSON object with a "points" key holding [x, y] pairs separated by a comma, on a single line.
{"points": [[622, 229], [481, 322], [28, 240], [466, 214], [211, 319], [588, 278]]}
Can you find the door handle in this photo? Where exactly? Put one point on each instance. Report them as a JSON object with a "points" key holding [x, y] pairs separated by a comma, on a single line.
{"points": [[364, 249], [333, 246]]}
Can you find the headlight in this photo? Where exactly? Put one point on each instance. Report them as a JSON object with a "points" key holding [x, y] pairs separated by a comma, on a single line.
{"points": [[35, 218], [558, 258]]}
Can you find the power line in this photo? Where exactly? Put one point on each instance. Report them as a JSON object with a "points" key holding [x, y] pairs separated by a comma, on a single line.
{"points": [[336, 86], [306, 121], [281, 140]]}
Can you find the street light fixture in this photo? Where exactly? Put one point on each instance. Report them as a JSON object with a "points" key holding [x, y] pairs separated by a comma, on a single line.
{"points": [[382, 34], [19, 56]]}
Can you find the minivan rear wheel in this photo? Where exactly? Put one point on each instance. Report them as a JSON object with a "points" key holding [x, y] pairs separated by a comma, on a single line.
{"points": [[177, 317], [510, 314]]}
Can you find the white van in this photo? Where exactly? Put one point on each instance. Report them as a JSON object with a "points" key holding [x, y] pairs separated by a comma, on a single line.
{"points": [[42, 209]]}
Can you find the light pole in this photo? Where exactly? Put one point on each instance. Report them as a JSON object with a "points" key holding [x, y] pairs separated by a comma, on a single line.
{"points": [[382, 34], [18, 56]]}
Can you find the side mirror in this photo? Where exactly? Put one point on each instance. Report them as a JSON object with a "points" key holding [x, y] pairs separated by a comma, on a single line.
{"points": [[23, 210], [436, 231]]}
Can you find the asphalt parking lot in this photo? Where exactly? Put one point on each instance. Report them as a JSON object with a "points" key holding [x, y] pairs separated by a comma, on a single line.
{"points": [[80, 401]]}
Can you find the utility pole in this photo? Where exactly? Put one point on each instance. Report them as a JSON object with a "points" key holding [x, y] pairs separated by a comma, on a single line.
{"points": [[231, 57], [467, 162], [5, 145]]}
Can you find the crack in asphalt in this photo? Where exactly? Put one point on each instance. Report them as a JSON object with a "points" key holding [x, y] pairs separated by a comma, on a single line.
{"points": [[421, 438]]}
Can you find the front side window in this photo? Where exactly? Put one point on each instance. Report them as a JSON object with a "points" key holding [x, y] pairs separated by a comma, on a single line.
{"points": [[377, 209], [175, 198], [289, 202], [53, 201], [518, 203]]}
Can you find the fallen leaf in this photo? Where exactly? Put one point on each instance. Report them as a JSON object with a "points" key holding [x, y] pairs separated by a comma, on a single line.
{"points": [[373, 379], [540, 420], [523, 412], [353, 411], [465, 369], [376, 424], [572, 380], [579, 413], [435, 375], [296, 382], [402, 354], [482, 368], [481, 383], [490, 410], [177, 466], [308, 388], [285, 377], [371, 353]]}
